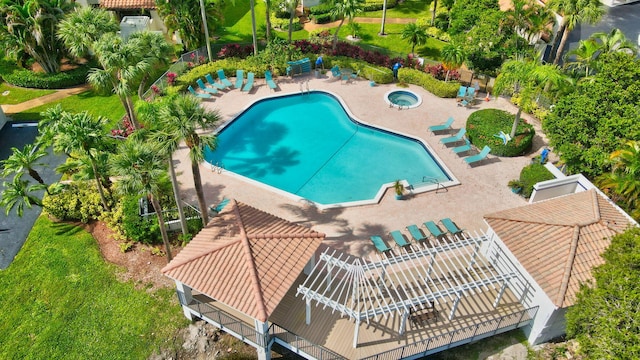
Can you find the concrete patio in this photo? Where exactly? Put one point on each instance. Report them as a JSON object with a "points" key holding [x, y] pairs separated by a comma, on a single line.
{"points": [[483, 188]]}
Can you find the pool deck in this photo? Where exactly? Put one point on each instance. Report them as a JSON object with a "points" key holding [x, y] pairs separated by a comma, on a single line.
{"points": [[483, 188]]}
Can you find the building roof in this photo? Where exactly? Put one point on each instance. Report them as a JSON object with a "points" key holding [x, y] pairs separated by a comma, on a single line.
{"points": [[245, 258], [558, 241], [128, 4]]}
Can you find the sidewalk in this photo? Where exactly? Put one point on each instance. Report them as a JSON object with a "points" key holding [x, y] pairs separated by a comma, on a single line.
{"points": [[59, 94]]}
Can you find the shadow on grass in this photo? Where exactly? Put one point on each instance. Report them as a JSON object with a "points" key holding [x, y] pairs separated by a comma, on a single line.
{"points": [[65, 228]]}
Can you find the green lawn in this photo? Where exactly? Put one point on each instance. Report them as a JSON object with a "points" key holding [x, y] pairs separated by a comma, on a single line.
{"points": [[16, 95], [412, 9], [60, 300], [393, 42], [105, 105]]}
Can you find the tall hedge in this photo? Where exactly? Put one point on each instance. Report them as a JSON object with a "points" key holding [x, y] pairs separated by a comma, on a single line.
{"points": [[436, 87], [64, 79]]}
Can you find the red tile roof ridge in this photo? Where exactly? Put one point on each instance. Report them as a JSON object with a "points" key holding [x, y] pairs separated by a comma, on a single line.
{"points": [[564, 285], [215, 247], [251, 265], [309, 235]]}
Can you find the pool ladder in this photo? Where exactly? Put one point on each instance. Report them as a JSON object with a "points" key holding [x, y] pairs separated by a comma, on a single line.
{"points": [[217, 167], [432, 180], [302, 87]]}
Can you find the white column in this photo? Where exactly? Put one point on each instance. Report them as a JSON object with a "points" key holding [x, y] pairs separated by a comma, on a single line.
{"points": [[403, 322], [355, 334], [307, 318], [187, 297], [455, 305], [262, 329], [502, 289]]}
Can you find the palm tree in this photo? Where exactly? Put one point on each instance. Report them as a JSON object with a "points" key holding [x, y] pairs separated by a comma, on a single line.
{"points": [[156, 52], [267, 10], [168, 144], [574, 12], [384, 17], [122, 64], [80, 29], [18, 194], [623, 182], [291, 6], [141, 167], [83, 134], [344, 9], [28, 26], [585, 55], [181, 118], [24, 160], [415, 34], [614, 41], [526, 78], [453, 57], [433, 12]]}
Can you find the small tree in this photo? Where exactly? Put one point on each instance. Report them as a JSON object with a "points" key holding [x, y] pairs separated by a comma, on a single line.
{"points": [[622, 184], [574, 12], [19, 194], [453, 57], [344, 9], [415, 34]]}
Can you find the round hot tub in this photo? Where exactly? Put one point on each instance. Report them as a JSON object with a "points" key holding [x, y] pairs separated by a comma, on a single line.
{"points": [[404, 99]]}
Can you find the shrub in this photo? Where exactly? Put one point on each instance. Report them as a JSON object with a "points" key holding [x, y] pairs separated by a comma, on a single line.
{"points": [[283, 24], [235, 51], [29, 79], [381, 75], [531, 175], [136, 227], [375, 5], [438, 88], [322, 18], [78, 201], [482, 125], [320, 9]]}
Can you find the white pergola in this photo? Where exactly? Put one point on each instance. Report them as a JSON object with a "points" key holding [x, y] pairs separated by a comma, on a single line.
{"points": [[412, 279]]}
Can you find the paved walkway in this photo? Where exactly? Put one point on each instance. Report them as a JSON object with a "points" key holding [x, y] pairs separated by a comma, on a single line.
{"points": [[59, 94]]}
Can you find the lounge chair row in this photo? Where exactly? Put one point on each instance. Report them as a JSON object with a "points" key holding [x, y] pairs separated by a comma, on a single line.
{"points": [[418, 235], [212, 86], [457, 138], [466, 96]]}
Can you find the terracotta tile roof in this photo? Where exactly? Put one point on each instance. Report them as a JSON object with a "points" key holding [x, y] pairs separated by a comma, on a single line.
{"points": [[559, 241], [128, 4], [245, 258]]}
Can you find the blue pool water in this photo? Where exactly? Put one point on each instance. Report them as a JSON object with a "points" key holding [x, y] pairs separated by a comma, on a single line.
{"points": [[307, 145]]}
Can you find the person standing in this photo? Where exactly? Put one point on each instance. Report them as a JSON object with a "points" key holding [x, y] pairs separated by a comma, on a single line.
{"points": [[395, 68]]}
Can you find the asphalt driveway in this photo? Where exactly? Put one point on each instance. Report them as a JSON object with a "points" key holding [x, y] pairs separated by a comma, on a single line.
{"points": [[13, 229]]}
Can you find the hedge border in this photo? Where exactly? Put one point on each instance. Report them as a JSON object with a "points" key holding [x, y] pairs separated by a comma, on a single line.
{"points": [[483, 125]]}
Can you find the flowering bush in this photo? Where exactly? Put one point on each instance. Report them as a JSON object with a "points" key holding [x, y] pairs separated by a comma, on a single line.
{"points": [[235, 50], [171, 78], [155, 89], [126, 129]]}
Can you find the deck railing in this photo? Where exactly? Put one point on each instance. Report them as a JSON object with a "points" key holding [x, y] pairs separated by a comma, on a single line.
{"points": [[300, 345], [229, 324], [458, 337]]}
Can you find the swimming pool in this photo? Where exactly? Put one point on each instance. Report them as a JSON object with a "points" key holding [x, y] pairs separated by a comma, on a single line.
{"points": [[308, 145]]}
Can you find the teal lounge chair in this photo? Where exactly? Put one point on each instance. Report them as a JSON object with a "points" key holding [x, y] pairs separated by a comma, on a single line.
{"points": [[335, 72], [399, 238], [223, 79], [434, 229], [451, 227], [442, 127], [249, 85], [462, 92], [463, 148], [479, 157], [213, 83], [239, 79], [416, 233], [216, 209], [205, 88], [380, 244], [270, 83], [203, 96], [455, 138], [471, 94]]}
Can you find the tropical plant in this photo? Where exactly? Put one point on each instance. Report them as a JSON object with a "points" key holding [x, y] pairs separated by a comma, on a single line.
{"points": [[28, 27], [21, 161], [622, 184], [141, 167], [168, 144], [584, 56], [453, 57], [603, 318], [528, 19], [20, 193], [344, 9], [614, 41], [185, 18], [268, 26], [181, 118], [415, 34], [82, 134], [574, 12], [80, 29], [526, 78], [156, 52]]}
